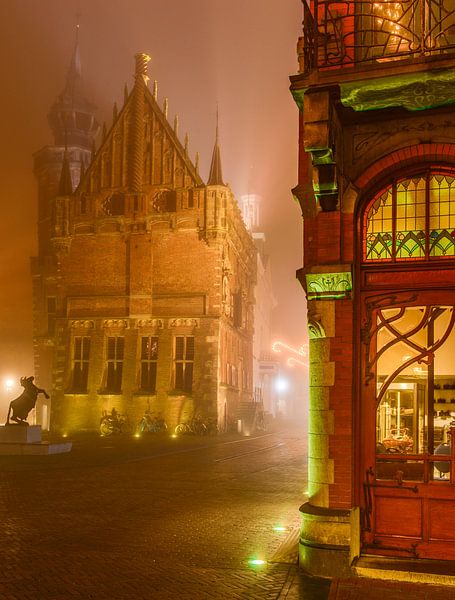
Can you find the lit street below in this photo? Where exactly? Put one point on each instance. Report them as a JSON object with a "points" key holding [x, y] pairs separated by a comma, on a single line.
{"points": [[155, 517]]}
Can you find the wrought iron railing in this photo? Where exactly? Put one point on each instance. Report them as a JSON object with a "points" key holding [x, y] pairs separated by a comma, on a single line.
{"points": [[347, 32]]}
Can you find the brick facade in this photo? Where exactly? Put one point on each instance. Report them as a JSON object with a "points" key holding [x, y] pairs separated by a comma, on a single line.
{"points": [[141, 253]]}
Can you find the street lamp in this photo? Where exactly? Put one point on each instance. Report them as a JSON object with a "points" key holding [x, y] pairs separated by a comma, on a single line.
{"points": [[9, 384], [281, 384]]}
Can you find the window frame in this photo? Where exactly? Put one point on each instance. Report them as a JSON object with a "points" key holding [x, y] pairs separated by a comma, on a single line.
{"points": [[426, 173], [149, 362], [83, 360], [116, 362], [186, 361]]}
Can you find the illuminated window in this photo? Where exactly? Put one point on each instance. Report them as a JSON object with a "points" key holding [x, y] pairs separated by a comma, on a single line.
{"points": [[114, 365], [149, 358], [81, 355], [183, 363], [412, 219]]}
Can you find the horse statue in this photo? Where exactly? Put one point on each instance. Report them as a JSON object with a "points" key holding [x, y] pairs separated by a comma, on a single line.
{"points": [[24, 403]]}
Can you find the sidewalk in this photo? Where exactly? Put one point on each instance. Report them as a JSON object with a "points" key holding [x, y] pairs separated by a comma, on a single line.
{"points": [[377, 589], [305, 587]]}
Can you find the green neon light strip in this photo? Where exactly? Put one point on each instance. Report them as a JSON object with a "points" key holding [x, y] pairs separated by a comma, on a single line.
{"points": [[413, 91]]}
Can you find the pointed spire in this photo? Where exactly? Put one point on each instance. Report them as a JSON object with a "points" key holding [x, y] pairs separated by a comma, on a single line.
{"points": [[155, 89], [74, 71], [72, 115], [196, 162], [65, 186], [82, 169], [216, 174], [176, 125], [187, 141], [166, 107]]}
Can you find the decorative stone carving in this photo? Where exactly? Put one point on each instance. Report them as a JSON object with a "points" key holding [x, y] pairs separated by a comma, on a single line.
{"points": [[183, 322], [82, 324], [370, 140], [315, 330], [115, 324], [61, 245], [157, 323], [328, 286]]}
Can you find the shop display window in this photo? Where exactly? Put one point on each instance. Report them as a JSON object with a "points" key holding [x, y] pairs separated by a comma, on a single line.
{"points": [[415, 391]]}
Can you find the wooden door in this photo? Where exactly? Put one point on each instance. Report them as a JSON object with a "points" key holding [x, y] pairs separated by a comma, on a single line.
{"points": [[407, 410]]}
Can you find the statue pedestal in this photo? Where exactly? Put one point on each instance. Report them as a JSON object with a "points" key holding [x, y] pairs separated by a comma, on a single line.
{"points": [[20, 434], [23, 439]]}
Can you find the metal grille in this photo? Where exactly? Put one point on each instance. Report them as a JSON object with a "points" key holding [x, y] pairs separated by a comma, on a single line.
{"points": [[359, 31]]}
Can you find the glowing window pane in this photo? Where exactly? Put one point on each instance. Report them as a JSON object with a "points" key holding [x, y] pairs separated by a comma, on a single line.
{"points": [[411, 202], [442, 216], [379, 228]]}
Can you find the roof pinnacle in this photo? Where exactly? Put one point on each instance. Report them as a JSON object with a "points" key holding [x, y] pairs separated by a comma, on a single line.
{"points": [[65, 186], [216, 174]]}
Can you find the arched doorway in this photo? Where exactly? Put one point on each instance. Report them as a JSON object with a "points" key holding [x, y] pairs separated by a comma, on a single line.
{"points": [[407, 366]]}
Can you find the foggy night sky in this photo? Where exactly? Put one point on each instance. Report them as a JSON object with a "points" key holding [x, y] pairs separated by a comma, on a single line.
{"points": [[238, 54]]}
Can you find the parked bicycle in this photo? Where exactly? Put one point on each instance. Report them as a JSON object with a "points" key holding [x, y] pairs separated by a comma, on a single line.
{"points": [[197, 426], [151, 424], [114, 423], [212, 426]]}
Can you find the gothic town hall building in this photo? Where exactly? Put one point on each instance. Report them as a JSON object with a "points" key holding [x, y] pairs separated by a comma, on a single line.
{"points": [[143, 283]]}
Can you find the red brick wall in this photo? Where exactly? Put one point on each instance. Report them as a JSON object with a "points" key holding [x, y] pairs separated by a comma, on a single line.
{"points": [[341, 442]]}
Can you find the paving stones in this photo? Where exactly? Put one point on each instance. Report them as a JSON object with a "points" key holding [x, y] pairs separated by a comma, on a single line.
{"points": [[160, 519]]}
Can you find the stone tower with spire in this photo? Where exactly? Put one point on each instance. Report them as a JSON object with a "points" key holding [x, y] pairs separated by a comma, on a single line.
{"points": [[144, 280], [58, 168]]}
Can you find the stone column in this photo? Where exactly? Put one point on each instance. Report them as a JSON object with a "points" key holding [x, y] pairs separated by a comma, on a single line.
{"points": [[325, 538]]}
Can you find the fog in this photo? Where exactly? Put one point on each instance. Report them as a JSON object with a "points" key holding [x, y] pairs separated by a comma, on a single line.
{"points": [[236, 55]]}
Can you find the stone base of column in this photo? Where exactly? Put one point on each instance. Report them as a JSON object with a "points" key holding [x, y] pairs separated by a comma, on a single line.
{"points": [[329, 539]]}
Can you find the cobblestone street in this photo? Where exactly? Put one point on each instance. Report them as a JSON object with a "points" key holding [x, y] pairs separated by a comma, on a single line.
{"points": [[153, 518]]}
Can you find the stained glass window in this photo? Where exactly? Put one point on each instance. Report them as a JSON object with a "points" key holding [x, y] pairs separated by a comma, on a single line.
{"points": [[379, 232], [412, 219], [442, 215]]}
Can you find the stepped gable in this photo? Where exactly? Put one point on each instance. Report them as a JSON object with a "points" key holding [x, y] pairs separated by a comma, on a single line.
{"points": [[141, 150]]}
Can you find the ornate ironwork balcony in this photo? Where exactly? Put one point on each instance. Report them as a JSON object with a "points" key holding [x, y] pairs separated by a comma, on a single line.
{"points": [[345, 33]]}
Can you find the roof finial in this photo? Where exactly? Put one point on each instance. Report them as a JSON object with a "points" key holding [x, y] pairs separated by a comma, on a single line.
{"points": [[216, 175], [176, 125], [75, 65], [187, 141], [166, 107], [155, 89], [196, 162], [142, 60]]}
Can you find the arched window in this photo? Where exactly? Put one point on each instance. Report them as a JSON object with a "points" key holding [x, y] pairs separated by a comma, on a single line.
{"points": [[412, 219]]}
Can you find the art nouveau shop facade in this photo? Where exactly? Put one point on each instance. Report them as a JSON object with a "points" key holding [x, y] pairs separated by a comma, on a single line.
{"points": [[377, 192]]}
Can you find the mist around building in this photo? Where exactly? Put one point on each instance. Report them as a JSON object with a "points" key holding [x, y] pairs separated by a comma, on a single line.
{"points": [[152, 289]]}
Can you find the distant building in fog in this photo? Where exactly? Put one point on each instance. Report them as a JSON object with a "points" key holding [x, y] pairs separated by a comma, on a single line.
{"points": [[265, 364], [144, 279]]}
